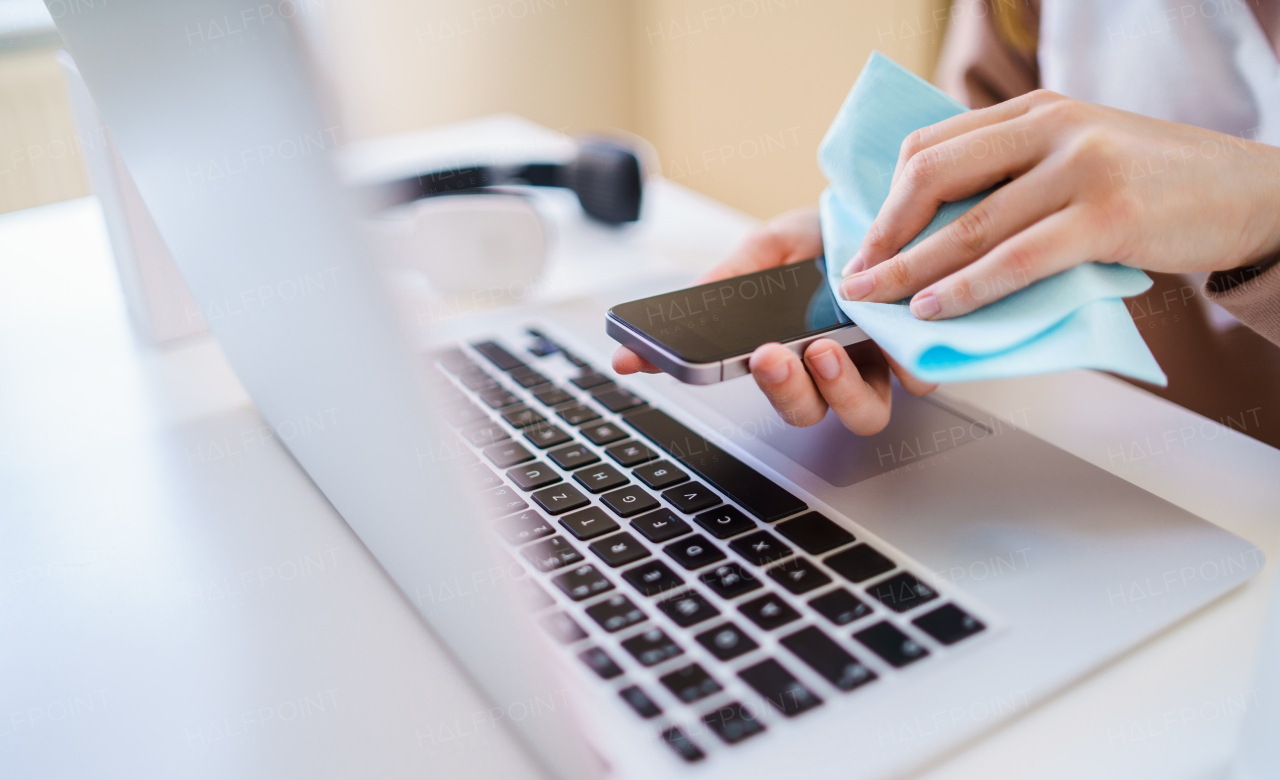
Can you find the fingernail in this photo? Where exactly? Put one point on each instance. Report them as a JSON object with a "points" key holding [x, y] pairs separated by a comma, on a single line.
{"points": [[855, 288], [855, 265], [773, 373], [826, 364], [925, 306]]}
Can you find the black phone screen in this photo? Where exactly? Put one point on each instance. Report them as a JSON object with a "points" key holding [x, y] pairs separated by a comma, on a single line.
{"points": [[732, 317]]}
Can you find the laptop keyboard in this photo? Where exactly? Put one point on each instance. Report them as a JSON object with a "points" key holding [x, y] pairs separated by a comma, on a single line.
{"points": [[711, 598]]}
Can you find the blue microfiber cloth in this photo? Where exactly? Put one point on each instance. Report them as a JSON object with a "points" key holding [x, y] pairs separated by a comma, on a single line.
{"points": [[1072, 320]]}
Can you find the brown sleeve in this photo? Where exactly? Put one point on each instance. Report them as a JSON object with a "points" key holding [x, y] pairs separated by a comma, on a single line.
{"points": [[1252, 294], [989, 53]]}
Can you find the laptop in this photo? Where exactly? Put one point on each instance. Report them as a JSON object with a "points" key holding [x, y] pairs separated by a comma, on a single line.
{"points": [[650, 580]]}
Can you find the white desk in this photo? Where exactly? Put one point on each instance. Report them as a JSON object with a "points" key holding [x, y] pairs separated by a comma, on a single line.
{"points": [[177, 600]]}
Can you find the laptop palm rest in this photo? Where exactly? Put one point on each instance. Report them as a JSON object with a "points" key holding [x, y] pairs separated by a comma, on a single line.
{"points": [[918, 430]]}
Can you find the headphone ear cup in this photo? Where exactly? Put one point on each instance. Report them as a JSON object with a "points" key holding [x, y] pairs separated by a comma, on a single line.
{"points": [[608, 180]]}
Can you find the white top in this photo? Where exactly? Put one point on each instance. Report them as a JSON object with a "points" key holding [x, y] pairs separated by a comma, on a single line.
{"points": [[1206, 63]]}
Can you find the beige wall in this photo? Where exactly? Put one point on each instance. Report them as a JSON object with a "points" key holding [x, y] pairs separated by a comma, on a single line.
{"points": [[735, 94], [39, 149]]}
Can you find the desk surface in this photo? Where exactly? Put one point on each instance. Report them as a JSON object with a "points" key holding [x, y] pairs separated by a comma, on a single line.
{"points": [[178, 600]]}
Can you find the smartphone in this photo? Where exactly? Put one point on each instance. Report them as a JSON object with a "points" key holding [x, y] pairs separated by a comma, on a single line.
{"points": [[706, 334]]}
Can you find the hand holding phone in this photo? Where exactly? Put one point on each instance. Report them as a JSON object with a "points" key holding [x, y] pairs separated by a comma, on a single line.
{"points": [[801, 388]]}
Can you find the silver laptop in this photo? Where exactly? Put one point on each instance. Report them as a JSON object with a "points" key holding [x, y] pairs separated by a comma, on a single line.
{"points": [[667, 580]]}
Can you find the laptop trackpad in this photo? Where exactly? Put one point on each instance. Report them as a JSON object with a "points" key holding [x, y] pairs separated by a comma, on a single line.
{"points": [[918, 430]]}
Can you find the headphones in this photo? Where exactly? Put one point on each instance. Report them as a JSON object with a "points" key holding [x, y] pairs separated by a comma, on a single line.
{"points": [[605, 175]]}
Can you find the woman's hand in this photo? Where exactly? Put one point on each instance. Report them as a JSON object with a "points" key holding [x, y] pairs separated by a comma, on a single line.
{"points": [[1085, 182], [859, 393]]}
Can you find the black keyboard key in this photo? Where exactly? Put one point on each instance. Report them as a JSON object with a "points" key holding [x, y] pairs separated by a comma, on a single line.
{"points": [[506, 454], [598, 479], [575, 360], [453, 359], [652, 578], [726, 642], [798, 576], [769, 611], [694, 552], [660, 475], [859, 563], [814, 533], [780, 688], [522, 416], [578, 414], [476, 379], [730, 581], [690, 683], [500, 501], [619, 400], [589, 379], [630, 453], [541, 346], [558, 499], [616, 613], [759, 495], [600, 434], [562, 628], [840, 607], [760, 548], [691, 497], [551, 554], [572, 457], [828, 659], [527, 377], [484, 433], [524, 527], [498, 355], [948, 624], [640, 702], [619, 549], [733, 723], [683, 746], [589, 523], [629, 501], [651, 647], [902, 592], [552, 396], [480, 477], [887, 641], [660, 525], [462, 413], [725, 521], [498, 397], [600, 663], [582, 582], [687, 609], [544, 435], [533, 476]]}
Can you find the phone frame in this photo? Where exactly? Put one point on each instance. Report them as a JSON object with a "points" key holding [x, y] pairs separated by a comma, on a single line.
{"points": [[720, 370]]}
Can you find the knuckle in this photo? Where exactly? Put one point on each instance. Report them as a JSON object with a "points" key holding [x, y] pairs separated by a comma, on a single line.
{"points": [[961, 295], [1042, 97], [924, 166], [899, 271], [1021, 261], [1090, 147], [972, 230], [876, 237], [914, 143], [866, 420]]}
